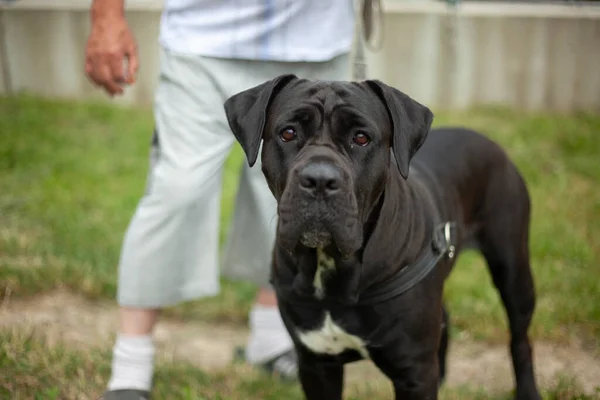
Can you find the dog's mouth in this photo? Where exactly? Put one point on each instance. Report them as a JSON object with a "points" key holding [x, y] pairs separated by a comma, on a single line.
{"points": [[316, 237], [318, 225]]}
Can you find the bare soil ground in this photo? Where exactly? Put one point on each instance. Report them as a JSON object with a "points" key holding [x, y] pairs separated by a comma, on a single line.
{"points": [[68, 319]]}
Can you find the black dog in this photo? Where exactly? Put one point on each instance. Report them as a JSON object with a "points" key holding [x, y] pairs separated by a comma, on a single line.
{"points": [[362, 248]]}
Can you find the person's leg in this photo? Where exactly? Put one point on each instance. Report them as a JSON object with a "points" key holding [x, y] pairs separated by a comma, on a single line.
{"points": [[170, 250], [248, 250], [133, 353]]}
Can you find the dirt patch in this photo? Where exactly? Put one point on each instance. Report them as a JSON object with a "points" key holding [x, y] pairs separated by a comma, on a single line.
{"points": [[66, 318]]}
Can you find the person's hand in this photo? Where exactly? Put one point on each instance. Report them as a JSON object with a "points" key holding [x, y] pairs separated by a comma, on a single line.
{"points": [[109, 45]]}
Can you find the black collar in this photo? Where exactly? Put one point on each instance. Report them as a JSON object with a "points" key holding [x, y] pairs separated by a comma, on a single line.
{"points": [[442, 245], [409, 276]]}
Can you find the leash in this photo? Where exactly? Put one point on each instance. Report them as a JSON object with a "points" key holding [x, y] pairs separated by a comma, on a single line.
{"points": [[442, 245], [366, 11]]}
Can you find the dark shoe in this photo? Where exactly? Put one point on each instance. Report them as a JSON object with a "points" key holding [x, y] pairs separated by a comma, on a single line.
{"points": [[284, 366], [126, 394]]}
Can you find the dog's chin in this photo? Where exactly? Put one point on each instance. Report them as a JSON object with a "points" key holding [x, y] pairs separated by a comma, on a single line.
{"points": [[347, 243], [347, 237], [315, 238]]}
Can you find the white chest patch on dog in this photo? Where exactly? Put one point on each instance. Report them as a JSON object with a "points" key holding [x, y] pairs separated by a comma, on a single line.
{"points": [[325, 267], [332, 339]]}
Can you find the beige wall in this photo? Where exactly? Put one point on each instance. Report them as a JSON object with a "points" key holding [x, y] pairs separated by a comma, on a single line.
{"points": [[533, 56], [45, 51]]}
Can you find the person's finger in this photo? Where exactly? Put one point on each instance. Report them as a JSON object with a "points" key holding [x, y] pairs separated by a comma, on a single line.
{"points": [[115, 62], [132, 65], [88, 67], [95, 74], [102, 76]]}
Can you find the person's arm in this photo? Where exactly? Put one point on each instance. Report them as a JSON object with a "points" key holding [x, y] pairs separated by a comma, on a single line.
{"points": [[109, 45], [102, 8]]}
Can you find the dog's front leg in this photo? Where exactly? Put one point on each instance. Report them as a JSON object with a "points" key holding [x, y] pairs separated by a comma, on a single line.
{"points": [[413, 378], [410, 390], [320, 380]]}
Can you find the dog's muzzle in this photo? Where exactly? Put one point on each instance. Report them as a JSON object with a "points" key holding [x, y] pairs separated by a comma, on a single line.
{"points": [[319, 181], [318, 206]]}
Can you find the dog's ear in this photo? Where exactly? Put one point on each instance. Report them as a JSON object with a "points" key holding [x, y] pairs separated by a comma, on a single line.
{"points": [[247, 113], [410, 122]]}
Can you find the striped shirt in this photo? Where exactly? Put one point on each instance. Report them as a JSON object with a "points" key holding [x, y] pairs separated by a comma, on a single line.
{"points": [[275, 30]]}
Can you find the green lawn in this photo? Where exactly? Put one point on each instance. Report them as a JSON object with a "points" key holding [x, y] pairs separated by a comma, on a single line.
{"points": [[33, 370], [71, 175]]}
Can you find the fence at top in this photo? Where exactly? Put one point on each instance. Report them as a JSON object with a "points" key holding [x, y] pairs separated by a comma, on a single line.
{"points": [[531, 55]]}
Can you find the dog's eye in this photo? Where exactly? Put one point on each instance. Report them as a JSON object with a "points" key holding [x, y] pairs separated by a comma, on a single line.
{"points": [[288, 134], [361, 138]]}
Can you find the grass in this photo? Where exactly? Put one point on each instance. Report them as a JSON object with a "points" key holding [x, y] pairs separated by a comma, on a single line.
{"points": [[71, 175], [70, 178], [35, 369]]}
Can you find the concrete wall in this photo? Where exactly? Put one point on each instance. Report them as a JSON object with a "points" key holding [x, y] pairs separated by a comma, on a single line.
{"points": [[537, 56], [526, 55]]}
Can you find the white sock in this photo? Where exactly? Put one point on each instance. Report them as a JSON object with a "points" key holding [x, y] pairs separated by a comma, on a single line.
{"points": [[268, 336], [133, 363]]}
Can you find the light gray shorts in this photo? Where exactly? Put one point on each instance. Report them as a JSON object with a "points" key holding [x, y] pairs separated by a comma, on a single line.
{"points": [[170, 252]]}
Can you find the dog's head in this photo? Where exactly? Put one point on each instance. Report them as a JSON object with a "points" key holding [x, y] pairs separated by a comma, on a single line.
{"points": [[326, 151]]}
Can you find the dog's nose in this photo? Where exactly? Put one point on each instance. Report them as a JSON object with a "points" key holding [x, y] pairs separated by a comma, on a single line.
{"points": [[320, 178]]}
